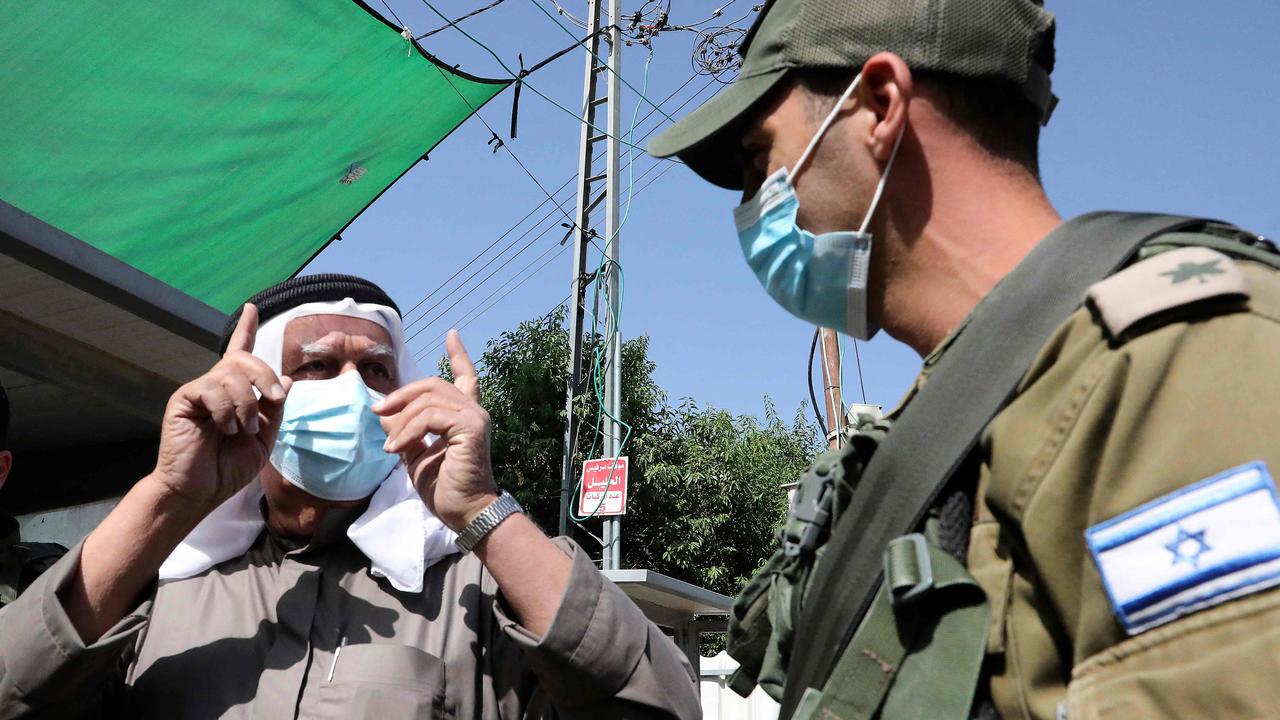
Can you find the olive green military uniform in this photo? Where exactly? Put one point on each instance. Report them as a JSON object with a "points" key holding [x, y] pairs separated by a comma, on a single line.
{"points": [[21, 563], [1126, 534], [1159, 384]]}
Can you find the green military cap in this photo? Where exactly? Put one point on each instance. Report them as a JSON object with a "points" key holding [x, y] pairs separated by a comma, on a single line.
{"points": [[1006, 40]]}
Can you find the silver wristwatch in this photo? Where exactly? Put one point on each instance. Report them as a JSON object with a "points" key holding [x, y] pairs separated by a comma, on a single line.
{"points": [[488, 519]]}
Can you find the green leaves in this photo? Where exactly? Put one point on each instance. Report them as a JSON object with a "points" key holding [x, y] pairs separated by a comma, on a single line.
{"points": [[705, 495]]}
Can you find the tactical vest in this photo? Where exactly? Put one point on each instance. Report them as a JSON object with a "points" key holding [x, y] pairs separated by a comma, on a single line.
{"points": [[905, 635]]}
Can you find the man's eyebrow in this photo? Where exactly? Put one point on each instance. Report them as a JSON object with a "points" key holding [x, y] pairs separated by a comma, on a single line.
{"points": [[381, 350], [378, 350]]}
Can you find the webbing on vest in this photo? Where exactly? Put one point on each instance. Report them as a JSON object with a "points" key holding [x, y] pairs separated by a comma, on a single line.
{"points": [[919, 651], [942, 424]]}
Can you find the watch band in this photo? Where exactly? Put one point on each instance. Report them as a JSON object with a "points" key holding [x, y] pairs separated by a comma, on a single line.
{"points": [[488, 519]]}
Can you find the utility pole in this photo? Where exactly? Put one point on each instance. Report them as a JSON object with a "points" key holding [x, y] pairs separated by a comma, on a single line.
{"points": [[593, 98], [832, 391], [613, 375]]}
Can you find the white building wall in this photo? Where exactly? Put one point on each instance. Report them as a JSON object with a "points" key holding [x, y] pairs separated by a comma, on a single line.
{"points": [[65, 525], [721, 703]]}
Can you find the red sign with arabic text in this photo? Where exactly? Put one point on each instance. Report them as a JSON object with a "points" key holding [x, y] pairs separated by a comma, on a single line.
{"points": [[604, 487]]}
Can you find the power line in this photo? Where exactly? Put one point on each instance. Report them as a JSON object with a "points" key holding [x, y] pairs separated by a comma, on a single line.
{"points": [[517, 76], [472, 314], [467, 319], [471, 14], [539, 206], [480, 254], [561, 204], [553, 247], [858, 358], [599, 60], [475, 287], [665, 168], [714, 15], [485, 266], [500, 143], [393, 14]]}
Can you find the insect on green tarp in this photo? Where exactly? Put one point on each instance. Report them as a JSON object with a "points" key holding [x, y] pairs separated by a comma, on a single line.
{"points": [[216, 146]]}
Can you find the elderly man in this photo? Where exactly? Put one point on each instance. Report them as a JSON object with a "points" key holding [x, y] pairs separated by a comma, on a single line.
{"points": [[303, 521], [20, 562]]}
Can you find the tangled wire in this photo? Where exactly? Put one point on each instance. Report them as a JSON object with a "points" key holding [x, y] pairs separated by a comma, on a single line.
{"points": [[715, 52], [715, 49]]}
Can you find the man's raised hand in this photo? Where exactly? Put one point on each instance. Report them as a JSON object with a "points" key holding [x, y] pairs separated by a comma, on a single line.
{"points": [[453, 474], [217, 432]]}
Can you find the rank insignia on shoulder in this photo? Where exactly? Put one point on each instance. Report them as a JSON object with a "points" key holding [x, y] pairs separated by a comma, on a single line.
{"points": [[1205, 544], [1163, 282]]}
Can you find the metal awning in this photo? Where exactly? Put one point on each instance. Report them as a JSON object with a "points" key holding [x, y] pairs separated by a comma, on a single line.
{"points": [[90, 350], [683, 608], [677, 596]]}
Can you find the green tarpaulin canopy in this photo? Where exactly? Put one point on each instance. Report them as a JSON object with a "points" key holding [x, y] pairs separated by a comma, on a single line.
{"points": [[216, 146]]}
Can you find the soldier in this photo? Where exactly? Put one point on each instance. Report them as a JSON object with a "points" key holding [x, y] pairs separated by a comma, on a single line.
{"points": [[20, 563], [1072, 513]]}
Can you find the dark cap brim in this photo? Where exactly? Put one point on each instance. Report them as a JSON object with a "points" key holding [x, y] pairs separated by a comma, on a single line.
{"points": [[702, 139]]}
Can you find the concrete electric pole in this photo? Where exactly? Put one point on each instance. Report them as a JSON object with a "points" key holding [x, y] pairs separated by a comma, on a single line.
{"points": [[594, 96]]}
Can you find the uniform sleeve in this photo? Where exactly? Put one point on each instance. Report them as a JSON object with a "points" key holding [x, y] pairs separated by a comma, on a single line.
{"points": [[1116, 435], [601, 658], [46, 670]]}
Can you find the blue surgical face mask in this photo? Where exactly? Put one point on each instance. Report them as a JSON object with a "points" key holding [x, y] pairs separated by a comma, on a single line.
{"points": [[330, 441], [821, 279]]}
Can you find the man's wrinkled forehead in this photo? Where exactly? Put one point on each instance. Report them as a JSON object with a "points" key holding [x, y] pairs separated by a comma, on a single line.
{"points": [[313, 332]]}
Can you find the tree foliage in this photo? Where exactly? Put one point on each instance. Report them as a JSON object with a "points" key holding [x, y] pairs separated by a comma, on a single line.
{"points": [[705, 486]]}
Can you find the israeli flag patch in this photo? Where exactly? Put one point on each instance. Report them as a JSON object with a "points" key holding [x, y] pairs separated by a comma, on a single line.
{"points": [[1203, 545]]}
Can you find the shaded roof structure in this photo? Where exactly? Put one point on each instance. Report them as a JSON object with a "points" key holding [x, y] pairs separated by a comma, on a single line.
{"points": [[159, 163], [216, 147]]}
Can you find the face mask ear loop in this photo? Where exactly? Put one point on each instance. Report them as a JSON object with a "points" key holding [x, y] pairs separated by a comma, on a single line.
{"points": [[822, 129], [884, 179]]}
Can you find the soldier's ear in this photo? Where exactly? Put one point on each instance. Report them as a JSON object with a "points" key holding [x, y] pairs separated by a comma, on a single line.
{"points": [[6, 462], [887, 87]]}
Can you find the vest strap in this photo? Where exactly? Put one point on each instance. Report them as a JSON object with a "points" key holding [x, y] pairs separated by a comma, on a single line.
{"points": [[915, 655]]}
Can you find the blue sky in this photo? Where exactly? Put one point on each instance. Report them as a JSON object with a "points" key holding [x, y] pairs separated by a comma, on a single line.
{"points": [[1165, 106]]}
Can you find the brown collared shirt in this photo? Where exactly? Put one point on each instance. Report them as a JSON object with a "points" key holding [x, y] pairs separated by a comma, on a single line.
{"points": [[309, 633]]}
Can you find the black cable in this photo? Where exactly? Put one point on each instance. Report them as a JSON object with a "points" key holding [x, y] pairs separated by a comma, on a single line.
{"points": [[813, 396], [473, 13], [512, 229], [477, 286], [666, 166], [409, 322], [476, 111], [467, 319], [480, 254], [393, 14], [470, 315], [422, 317], [858, 358], [718, 12]]}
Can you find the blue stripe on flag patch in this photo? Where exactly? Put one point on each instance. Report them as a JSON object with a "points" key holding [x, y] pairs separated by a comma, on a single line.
{"points": [[1192, 549]]}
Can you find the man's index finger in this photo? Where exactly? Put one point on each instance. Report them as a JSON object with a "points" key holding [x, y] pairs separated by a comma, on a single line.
{"points": [[459, 360], [246, 330]]}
